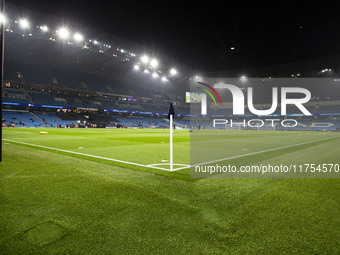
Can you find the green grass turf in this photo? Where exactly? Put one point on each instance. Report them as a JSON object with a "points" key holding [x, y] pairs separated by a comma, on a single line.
{"points": [[58, 203]]}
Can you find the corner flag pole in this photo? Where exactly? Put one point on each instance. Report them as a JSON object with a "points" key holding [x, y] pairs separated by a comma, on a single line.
{"points": [[171, 115], [171, 144]]}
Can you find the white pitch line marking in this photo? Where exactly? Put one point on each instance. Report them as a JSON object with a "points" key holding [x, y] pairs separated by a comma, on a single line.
{"points": [[257, 152], [177, 169], [87, 155]]}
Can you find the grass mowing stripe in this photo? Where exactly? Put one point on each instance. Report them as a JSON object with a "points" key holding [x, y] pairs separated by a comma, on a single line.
{"points": [[88, 155], [258, 152]]}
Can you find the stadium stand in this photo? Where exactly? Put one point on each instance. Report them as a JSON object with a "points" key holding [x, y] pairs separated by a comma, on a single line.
{"points": [[42, 98], [20, 119]]}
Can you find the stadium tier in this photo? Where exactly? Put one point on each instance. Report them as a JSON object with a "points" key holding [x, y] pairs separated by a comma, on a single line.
{"points": [[11, 118], [119, 110]]}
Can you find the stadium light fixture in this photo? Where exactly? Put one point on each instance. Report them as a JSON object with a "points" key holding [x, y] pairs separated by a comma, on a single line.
{"points": [[146, 71], [136, 67], [155, 75], [243, 78], [44, 28], [173, 71], [198, 78], [95, 42], [145, 59], [164, 79], [63, 33], [3, 19], [326, 70], [78, 37], [24, 23], [154, 63]]}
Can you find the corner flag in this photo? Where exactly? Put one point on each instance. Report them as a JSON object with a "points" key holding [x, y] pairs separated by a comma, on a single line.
{"points": [[171, 111]]}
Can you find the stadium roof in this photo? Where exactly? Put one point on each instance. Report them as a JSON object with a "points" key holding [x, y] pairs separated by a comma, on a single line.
{"points": [[212, 36], [44, 39]]}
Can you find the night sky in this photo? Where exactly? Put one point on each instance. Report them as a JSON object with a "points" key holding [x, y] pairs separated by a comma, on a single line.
{"points": [[201, 34]]}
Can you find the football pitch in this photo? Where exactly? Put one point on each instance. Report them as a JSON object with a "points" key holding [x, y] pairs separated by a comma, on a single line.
{"points": [[110, 191]]}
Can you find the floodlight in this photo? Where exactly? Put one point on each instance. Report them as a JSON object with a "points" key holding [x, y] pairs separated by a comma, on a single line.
{"points": [[136, 67], [24, 23], [155, 75], [95, 42], [173, 71], [154, 63], [146, 71], [145, 59], [44, 28], [63, 33], [164, 79], [78, 37], [243, 78], [198, 78], [3, 19]]}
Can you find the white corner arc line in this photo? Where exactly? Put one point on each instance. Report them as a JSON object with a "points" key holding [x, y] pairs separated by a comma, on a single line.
{"points": [[88, 155], [167, 164]]}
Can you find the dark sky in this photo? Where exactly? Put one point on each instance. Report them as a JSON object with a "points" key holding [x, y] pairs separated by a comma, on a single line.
{"points": [[201, 33]]}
